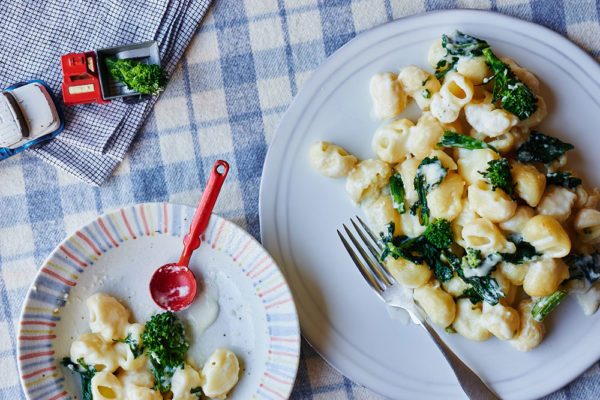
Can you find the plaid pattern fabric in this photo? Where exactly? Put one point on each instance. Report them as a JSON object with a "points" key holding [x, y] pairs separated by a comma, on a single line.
{"points": [[224, 100], [36, 33]]}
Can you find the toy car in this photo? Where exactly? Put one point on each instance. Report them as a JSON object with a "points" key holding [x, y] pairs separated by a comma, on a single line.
{"points": [[86, 78], [29, 115]]}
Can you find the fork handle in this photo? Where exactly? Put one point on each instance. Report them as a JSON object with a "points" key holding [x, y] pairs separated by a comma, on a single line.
{"points": [[471, 384]]}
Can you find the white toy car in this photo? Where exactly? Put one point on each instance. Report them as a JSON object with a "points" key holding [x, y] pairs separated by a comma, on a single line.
{"points": [[28, 115]]}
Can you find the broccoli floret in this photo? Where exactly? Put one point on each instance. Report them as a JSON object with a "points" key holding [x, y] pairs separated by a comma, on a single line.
{"points": [[439, 233], [458, 45], [562, 178], [542, 148], [143, 78], [472, 259], [430, 174], [482, 286], [514, 96], [86, 373], [453, 139], [498, 175], [164, 338], [397, 191]]}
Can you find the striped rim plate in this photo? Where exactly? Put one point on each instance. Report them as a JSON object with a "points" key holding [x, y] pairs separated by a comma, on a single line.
{"points": [[116, 254]]}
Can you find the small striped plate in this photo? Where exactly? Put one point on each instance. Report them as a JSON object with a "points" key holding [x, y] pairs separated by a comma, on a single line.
{"points": [[117, 253]]}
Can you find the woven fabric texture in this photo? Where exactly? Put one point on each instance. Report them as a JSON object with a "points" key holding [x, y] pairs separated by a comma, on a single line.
{"points": [[36, 33], [224, 101]]}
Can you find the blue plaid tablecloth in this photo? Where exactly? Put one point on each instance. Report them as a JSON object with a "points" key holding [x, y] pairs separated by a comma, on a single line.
{"points": [[225, 100]]}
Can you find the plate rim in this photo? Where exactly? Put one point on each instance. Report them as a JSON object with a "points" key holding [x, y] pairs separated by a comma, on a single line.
{"points": [[541, 33], [218, 219]]}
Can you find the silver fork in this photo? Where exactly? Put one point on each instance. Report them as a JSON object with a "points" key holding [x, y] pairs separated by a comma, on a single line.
{"points": [[397, 295]]}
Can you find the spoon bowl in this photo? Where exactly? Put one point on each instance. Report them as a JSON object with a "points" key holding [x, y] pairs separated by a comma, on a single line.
{"points": [[173, 286]]}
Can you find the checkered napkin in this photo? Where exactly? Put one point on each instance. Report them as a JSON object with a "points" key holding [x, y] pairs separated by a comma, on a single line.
{"points": [[36, 33]]}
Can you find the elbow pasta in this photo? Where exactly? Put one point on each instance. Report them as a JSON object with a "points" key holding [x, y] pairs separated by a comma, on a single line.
{"points": [[390, 141], [529, 183], [122, 376], [418, 83], [389, 99], [522, 227], [495, 205], [331, 160], [557, 202]]}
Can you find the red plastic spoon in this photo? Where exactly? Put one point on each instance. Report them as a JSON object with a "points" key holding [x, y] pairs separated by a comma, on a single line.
{"points": [[173, 286]]}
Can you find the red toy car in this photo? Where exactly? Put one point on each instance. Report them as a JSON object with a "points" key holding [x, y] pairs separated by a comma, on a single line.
{"points": [[81, 84]]}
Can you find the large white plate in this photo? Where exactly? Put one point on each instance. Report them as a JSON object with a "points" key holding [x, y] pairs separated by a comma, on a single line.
{"points": [[300, 211], [117, 254]]}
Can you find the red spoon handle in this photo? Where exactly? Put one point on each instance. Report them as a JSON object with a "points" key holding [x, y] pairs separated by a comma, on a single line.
{"points": [[204, 210]]}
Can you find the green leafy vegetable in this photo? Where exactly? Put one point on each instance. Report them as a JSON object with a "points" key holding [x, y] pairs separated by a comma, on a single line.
{"points": [[472, 258], [143, 78], [472, 295], [562, 178], [86, 373], [584, 266], [458, 45], [439, 233], [397, 191], [426, 93], [525, 251], [475, 270], [164, 338], [546, 304], [420, 250], [134, 346], [487, 288], [430, 174], [542, 148], [498, 175], [514, 96], [453, 139]]}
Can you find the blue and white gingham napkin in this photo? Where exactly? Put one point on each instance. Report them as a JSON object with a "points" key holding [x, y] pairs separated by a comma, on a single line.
{"points": [[36, 33]]}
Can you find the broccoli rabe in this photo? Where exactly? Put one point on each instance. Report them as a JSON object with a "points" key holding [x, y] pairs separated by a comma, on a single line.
{"points": [[430, 174], [471, 259], [546, 304], [514, 96], [584, 266], [397, 191], [86, 373], [562, 178], [439, 233], [486, 287], [164, 338], [134, 346], [420, 250], [453, 139], [524, 252], [475, 270], [458, 45], [143, 78], [498, 175], [542, 148]]}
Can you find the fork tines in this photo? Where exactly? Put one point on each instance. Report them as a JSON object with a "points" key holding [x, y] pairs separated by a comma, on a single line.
{"points": [[368, 263]]}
